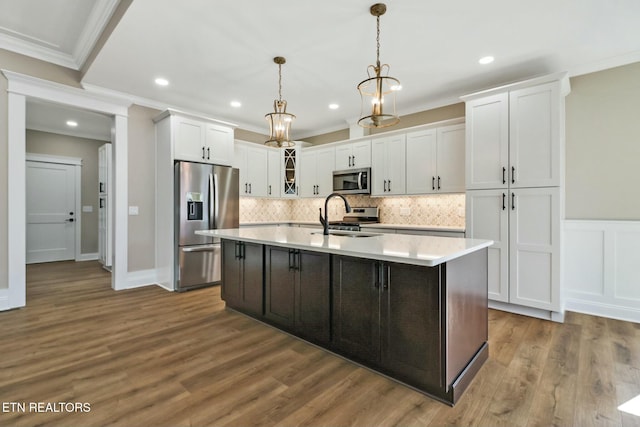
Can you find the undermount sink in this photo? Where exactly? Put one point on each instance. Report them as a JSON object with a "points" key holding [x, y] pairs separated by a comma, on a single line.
{"points": [[348, 233]]}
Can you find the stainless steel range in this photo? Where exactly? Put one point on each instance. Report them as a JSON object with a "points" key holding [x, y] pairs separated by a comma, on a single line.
{"points": [[352, 221]]}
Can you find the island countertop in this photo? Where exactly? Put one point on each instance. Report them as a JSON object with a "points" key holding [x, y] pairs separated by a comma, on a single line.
{"points": [[427, 251]]}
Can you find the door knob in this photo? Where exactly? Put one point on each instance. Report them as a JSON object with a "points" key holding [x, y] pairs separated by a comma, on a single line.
{"points": [[70, 220]]}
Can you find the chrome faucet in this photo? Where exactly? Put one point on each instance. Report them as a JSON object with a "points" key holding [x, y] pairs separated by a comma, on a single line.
{"points": [[325, 221]]}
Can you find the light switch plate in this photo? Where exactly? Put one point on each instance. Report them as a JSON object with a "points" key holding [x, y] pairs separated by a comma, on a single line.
{"points": [[133, 210], [88, 208]]}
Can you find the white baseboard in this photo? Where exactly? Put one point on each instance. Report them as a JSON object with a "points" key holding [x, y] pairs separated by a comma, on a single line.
{"points": [[527, 311], [604, 310], [88, 257], [138, 279]]}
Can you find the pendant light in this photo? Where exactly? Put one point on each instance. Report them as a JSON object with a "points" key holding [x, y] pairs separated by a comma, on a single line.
{"points": [[279, 120], [378, 91]]}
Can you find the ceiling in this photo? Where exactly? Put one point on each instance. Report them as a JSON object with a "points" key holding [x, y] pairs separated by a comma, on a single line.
{"points": [[214, 52]]}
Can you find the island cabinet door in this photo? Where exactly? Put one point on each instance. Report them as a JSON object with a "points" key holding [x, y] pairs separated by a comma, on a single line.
{"points": [[356, 308], [280, 286], [242, 276], [410, 318], [312, 304]]}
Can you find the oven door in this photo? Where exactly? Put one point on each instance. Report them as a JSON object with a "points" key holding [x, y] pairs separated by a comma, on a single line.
{"points": [[352, 181]]}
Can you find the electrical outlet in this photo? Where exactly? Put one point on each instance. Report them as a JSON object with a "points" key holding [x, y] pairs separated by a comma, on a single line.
{"points": [[133, 210], [405, 211]]}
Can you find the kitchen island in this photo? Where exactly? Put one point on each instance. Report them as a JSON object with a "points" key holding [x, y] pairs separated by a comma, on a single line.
{"points": [[413, 308]]}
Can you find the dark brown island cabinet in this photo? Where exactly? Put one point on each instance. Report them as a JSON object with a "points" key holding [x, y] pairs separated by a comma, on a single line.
{"points": [[423, 326]]}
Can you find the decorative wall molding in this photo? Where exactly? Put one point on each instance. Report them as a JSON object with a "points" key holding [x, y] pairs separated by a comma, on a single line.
{"points": [[602, 268]]}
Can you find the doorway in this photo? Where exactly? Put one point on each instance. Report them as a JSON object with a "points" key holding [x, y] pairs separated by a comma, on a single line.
{"points": [[53, 217], [19, 88]]}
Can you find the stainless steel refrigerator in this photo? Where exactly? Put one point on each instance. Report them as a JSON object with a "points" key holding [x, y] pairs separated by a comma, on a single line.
{"points": [[207, 197]]}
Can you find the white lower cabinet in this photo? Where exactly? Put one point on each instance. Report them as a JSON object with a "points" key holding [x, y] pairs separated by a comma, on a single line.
{"points": [[524, 262]]}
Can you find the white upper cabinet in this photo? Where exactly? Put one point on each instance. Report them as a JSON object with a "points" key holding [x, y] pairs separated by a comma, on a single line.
{"points": [[514, 138], [534, 136], [435, 160], [251, 159], [316, 169], [201, 141], [218, 142], [274, 164], [353, 155], [388, 158], [487, 142]]}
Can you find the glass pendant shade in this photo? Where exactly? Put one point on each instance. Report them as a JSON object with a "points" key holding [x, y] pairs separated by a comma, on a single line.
{"points": [[279, 125], [279, 121], [378, 96], [378, 91]]}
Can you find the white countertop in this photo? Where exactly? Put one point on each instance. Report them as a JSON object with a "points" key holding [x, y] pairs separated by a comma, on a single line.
{"points": [[369, 225], [403, 248]]}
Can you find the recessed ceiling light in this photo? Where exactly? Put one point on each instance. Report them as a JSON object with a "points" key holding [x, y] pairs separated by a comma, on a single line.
{"points": [[334, 106], [486, 60], [236, 104], [72, 123], [161, 81]]}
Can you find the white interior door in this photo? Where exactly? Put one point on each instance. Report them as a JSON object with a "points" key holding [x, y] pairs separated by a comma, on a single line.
{"points": [[51, 211]]}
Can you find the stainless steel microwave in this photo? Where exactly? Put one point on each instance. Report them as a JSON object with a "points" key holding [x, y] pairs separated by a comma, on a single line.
{"points": [[352, 181]]}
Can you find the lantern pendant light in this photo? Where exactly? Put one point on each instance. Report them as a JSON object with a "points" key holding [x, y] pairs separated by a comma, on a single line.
{"points": [[279, 120], [378, 91]]}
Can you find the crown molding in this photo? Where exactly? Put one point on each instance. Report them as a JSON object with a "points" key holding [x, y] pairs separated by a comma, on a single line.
{"points": [[96, 23]]}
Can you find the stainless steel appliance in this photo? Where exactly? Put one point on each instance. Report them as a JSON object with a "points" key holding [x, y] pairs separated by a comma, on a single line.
{"points": [[352, 220], [352, 181], [207, 197]]}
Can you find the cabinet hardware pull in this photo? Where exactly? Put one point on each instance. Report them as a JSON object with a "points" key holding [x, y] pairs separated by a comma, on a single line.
{"points": [[243, 250], [353, 160], [504, 196], [269, 189], [246, 188], [236, 250], [513, 201], [513, 174], [504, 175], [249, 188], [208, 153], [202, 153], [297, 260], [438, 183], [389, 186], [384, 186], [433, 182]]}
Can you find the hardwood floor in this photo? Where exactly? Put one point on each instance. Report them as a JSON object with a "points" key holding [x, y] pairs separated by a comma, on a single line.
{"points": [[148, 357]]}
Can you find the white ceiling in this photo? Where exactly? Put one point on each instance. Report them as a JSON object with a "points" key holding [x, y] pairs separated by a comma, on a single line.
{"points": [[49, 117], [213, 52]]}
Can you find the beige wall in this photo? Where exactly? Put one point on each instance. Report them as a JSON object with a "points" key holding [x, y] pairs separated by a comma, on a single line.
{"points": [[142, 187], [603, 145], [87, 150], [245, 135]]}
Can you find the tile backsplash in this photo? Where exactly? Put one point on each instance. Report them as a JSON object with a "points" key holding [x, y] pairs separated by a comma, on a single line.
{"points": [[437, 210]]}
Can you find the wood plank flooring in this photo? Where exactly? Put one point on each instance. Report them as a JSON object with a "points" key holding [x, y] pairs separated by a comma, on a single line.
{"points": [[148, 357]]}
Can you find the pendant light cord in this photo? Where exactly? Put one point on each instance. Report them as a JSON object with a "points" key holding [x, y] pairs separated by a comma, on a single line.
{"points": [[279, 82], [378, 41]]}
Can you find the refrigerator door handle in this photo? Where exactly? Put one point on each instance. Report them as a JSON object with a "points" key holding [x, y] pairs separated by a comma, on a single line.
{"points": [[203, 248], [211, 201], [216, 202]]}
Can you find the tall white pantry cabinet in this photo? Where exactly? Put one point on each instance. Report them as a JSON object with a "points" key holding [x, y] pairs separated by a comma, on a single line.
{"points": [[514, 180]]}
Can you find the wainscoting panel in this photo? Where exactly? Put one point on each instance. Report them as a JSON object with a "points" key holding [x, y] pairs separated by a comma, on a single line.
{"points": [[602, 268]]}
